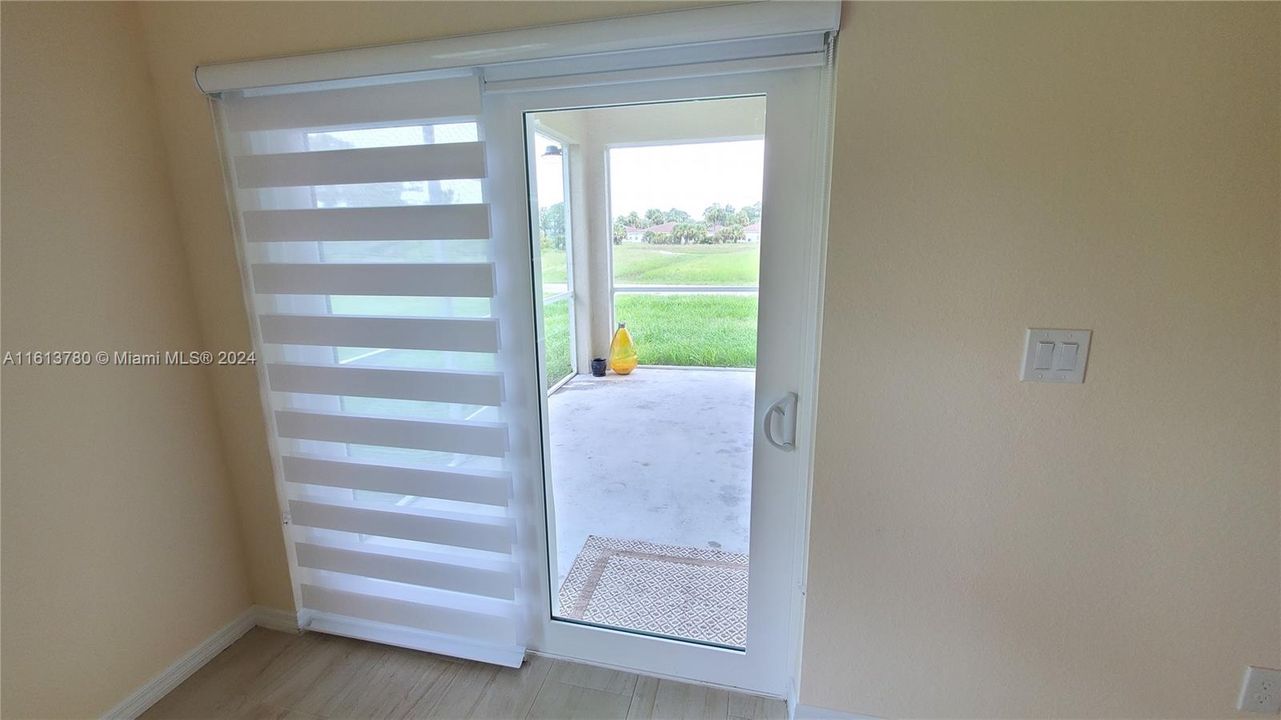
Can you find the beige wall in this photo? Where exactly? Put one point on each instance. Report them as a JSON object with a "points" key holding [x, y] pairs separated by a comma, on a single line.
{"points": [[981, 547], [984, 547], [120, 545]]}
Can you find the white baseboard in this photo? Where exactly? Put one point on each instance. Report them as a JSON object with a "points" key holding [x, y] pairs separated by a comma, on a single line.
{"points": [[812, 712], [274, 619], [171, 677]]}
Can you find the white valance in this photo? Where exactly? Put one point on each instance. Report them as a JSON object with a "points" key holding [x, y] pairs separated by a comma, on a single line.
{"points": [[728, 33]]}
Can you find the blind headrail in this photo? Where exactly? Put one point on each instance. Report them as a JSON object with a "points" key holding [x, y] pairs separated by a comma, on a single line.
{"points": [[663, 29]]}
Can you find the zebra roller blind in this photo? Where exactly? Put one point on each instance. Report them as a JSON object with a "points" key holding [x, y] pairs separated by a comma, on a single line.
{"points": [[369, 268]]}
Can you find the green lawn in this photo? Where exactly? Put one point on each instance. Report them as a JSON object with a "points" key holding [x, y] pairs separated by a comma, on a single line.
{"points": [[553, 266], [643, 264], [556, 351], [689, 330], [692, 330]]}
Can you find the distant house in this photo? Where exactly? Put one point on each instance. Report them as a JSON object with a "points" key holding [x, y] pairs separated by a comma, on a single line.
{"points": [[637, 234], [752, 233]]}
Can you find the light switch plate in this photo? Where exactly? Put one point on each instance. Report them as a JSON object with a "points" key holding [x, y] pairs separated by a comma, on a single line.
{"points": [[1260, 690], [1055, 356]]}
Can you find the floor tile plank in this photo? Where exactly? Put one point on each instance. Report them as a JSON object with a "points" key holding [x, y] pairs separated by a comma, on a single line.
{"points": [[681, 701], [618, 682], [642, 706], [512, 691], [562, 701], [396, 683], [300, 672], [456, 698], [263, 711], [753, 707], [350, 668], [218, 688]]}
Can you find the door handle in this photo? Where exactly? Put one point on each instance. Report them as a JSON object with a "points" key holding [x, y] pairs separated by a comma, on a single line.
{"points": [[785, 409]]}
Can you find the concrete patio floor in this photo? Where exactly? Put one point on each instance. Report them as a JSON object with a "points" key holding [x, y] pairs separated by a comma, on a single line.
{"points": [[663, 455]]}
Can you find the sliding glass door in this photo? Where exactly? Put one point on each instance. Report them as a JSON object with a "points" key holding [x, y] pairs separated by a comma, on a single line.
{"points": [[673, 494]]}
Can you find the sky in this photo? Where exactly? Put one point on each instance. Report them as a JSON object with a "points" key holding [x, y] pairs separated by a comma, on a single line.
{"points": [[689, 177]]}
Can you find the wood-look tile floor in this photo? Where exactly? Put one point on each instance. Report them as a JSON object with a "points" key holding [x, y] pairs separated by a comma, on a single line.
{"points": [[268, 674]]}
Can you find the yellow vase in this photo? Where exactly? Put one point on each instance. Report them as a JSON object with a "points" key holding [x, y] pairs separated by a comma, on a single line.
{"points": [[622, 351]]}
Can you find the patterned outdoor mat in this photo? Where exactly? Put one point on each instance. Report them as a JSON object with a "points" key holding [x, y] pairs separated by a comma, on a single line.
{"points": [[687, 592]]}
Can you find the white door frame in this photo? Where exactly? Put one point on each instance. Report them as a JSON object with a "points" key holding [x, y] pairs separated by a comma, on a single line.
{"points": [[794, 201]]}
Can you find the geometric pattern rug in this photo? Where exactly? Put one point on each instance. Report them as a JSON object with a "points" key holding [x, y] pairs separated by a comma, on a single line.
{"points": [[685, 592]]}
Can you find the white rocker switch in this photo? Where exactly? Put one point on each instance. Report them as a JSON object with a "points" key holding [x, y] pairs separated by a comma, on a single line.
{"points": [[1055, 356], [1065, 356], [1044, 356]]}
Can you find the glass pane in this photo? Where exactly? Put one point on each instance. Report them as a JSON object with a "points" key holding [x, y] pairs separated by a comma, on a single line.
{"points": [[691, 330], [649, 472], [554, 251], [553, 223], [710, 231]]}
